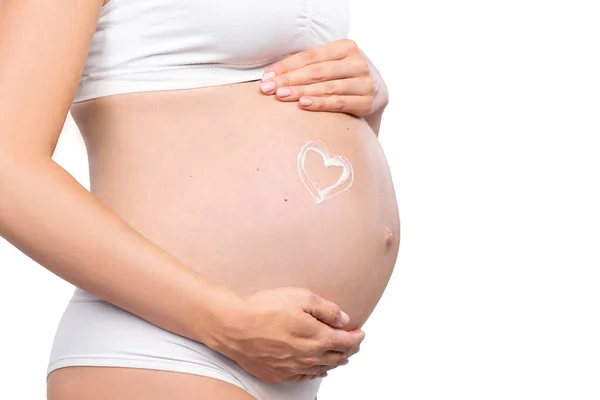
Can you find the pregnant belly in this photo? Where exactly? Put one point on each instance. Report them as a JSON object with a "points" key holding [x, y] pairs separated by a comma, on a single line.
{"points": [[252, 192]]}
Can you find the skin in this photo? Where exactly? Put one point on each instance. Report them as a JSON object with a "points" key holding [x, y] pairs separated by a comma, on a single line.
{"points": [[39, 77], [335, 77]]}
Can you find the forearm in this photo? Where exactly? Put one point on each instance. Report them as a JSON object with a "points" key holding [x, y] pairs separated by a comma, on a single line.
{"points": [[50, 217]]}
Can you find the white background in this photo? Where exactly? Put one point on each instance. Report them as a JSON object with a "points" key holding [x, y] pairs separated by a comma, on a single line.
{"points": [[492, 138]]}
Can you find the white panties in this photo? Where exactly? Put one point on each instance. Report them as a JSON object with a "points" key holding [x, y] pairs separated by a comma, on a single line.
{"points": [[93, 332]]}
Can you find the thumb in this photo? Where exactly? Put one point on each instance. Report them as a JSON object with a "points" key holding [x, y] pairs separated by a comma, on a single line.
{"points": [[327, 312]]}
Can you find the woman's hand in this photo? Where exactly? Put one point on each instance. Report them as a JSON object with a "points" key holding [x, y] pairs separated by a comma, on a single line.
{"points": [[286, 334], [336, 77]]}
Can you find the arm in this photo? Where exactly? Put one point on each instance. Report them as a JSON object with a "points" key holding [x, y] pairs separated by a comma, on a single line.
{"points": [[54, 220], [44, 211]]}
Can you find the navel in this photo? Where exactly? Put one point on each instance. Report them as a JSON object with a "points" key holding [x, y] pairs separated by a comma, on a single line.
{"points": [[388, 237]]}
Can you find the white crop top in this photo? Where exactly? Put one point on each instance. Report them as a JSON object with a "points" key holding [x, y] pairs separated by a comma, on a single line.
{"points": [[149, 45]]}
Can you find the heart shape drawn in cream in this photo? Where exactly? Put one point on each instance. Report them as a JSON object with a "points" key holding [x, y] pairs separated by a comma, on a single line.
{"points": [[344, 182]]}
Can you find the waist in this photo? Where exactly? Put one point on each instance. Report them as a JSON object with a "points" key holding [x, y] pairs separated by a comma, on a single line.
{"points": [[249, 190]]}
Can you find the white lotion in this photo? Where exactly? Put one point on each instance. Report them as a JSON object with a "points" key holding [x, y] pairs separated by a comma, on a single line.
{"points": [[344, 182]]}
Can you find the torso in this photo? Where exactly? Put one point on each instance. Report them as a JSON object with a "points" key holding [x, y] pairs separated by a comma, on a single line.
{"points": [[211, 175]]}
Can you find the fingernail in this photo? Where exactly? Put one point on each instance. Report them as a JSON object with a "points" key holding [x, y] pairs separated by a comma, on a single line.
{"points": [[345, 319], [305, 103], [284, 92], [268, 75], [267, 87]]}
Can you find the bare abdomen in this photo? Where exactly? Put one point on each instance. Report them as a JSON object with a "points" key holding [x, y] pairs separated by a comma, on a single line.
{"points": [[212, 175]]}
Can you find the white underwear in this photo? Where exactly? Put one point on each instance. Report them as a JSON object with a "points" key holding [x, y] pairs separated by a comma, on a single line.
{"points": [[93, 332]]}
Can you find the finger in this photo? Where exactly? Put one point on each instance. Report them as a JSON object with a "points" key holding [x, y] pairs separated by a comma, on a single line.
{"points": [[308, 377], [337, 358], [335, 50], [312, 376], [347, 87], [322, 369], [302, 378], [329, 359], [324, 71], [295, 378], [355, 105], [332, 358], [319, 369], [343, 342], [326, 311]]}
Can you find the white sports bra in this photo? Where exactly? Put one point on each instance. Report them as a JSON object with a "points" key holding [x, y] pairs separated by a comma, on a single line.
{"points": [[149, 45]]}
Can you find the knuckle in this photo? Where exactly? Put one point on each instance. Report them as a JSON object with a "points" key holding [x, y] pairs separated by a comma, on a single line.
{"points": [[302, 293], [334, 310], [311, 362], [330, 88], [356, 348], [337, 358], [309, 56], [362, 65], [314, 361], [283, 80], [371, 84], [324, 369], [324, 345], [306, 351], [338, 103], [319, 104], [350, 44], [345, 348], [351, 352], [311, 297], [283, 66], [318, 73], [297, 91]]}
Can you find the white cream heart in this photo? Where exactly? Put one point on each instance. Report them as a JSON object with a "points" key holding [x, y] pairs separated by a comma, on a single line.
{"points": [[344, 182]]}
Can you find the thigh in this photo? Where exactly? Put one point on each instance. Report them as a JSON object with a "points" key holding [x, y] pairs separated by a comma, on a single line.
{"points": [[101, 383]]}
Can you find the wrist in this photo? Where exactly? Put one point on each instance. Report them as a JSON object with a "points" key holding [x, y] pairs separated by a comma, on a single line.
{"points": [[218, 309]]}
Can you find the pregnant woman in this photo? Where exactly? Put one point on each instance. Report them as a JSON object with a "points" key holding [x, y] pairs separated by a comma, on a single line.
{"points": [[241, 223]]}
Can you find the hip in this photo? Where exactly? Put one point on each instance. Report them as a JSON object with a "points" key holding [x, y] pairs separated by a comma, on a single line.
{"points": [[94, 333]]}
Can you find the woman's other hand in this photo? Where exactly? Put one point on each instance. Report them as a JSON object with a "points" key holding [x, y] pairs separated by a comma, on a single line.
{"points": [[286, 334], [336, 77]]}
